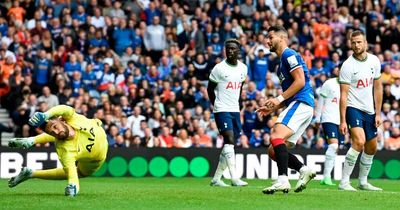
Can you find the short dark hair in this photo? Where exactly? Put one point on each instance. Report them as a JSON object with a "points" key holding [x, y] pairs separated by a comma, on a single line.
{"points": [[357, 33], [232, 40], [277, 28]]}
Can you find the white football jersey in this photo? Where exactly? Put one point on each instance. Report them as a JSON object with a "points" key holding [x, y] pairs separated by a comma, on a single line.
{"points": [[229, 79], [330, 92], [360, 75]]}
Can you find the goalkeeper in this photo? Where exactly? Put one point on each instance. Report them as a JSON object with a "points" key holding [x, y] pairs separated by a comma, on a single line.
{"points": [[81, 146]]}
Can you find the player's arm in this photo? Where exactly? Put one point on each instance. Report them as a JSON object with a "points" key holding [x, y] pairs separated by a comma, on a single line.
{"points": [[210, 90], [298, 83], [71, 170], [43, 138], [240, 96], [61, 110], [68, 161], [378, 92], [321, 103], [344, 90]]}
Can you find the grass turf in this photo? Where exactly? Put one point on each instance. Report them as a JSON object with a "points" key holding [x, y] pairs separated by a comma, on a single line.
{"points": [[190, 193]]}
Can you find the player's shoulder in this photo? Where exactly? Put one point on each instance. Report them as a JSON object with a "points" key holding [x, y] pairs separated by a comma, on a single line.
{"points": [[348, 62], [242, 65], [373, 57], [332, 81], [289, 52], [219, 66]]}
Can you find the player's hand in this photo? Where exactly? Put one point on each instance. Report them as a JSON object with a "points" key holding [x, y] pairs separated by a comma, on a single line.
{"points": [[378, 120], [343, 128], [272, 103], [38, 119], [317, 125], [71, 190], [264, 111]]}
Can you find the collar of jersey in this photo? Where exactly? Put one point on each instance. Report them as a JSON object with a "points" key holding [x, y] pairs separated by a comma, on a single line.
{"points": [[230, 64], [359, 59]]}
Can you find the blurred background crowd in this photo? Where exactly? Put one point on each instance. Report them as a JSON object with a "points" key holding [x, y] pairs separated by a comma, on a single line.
{"points": [[142, 66]]}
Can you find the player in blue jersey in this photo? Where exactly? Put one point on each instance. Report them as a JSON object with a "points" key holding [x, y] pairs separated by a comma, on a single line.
{"points": [[298, 98]]}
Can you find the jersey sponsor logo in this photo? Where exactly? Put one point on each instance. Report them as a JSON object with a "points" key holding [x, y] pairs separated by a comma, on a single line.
{"points": [[233, 85], [292, 60], [363, 83], [281, 77]]}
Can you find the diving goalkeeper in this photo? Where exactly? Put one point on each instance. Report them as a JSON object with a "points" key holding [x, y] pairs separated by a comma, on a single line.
{"points": [[81, 146]]}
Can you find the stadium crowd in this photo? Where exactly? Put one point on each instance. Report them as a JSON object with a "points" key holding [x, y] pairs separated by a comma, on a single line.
{"points": [[142, 66]]}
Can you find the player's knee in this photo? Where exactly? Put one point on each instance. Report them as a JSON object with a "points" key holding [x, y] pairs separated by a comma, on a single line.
{"points": [[370, 149], [228, 137], [271, 153]]}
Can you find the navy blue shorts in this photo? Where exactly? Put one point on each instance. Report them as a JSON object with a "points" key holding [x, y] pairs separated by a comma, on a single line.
{"points": [[331, 131], [358, 118], [229, 121]]}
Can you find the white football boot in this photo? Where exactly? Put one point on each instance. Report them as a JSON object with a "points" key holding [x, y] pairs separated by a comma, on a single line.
{"points": [[239, 183], [218, 183], [306, 175], [282, 184], [346, 186], [369, 187], [24, 175]]}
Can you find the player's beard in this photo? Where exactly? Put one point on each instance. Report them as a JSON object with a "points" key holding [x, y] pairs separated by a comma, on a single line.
{"points": [[273, 47], [65, 134], [359, 52]]}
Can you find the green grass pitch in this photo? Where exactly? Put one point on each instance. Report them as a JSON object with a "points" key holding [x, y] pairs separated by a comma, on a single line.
{"points": [[190, 193]]}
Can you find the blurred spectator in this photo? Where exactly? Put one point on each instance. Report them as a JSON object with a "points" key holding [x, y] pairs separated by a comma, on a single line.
{"points": [[393, 142], [50, 99]]}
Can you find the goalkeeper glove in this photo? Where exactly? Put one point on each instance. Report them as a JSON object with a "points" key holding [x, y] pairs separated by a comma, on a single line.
{"points": [[71, 190], [38, 119]]}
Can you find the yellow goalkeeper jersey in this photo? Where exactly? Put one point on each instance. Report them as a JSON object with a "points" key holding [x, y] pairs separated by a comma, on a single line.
{"points": [[89, 144]]}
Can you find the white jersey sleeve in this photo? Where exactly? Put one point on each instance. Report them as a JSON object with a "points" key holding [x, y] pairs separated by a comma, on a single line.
{"points": [[214, 75], [377, 68], [346, 73]]}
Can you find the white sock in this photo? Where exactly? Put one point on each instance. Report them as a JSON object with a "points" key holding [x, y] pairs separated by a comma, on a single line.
{"points": [[365, 167], [220, 168], [350, 161], [229, 152], [330, 156], [283, 178]]}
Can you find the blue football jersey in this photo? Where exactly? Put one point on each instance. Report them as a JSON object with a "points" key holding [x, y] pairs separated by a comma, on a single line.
{"points": [[290, 61]]}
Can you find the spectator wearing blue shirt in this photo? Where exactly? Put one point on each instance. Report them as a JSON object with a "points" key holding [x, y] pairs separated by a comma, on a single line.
{"points": [[333, 62], [98, 40], [319, 73], [256, 139], [249, 119], [72, 65], [3, 27], [137, 41], [89, 81], [80, 15], [165, 67], [151, 12], [123, 37], [42, 69], [259, 67], [76, 83], [217, 47], [153, 76], [251, 92]]}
